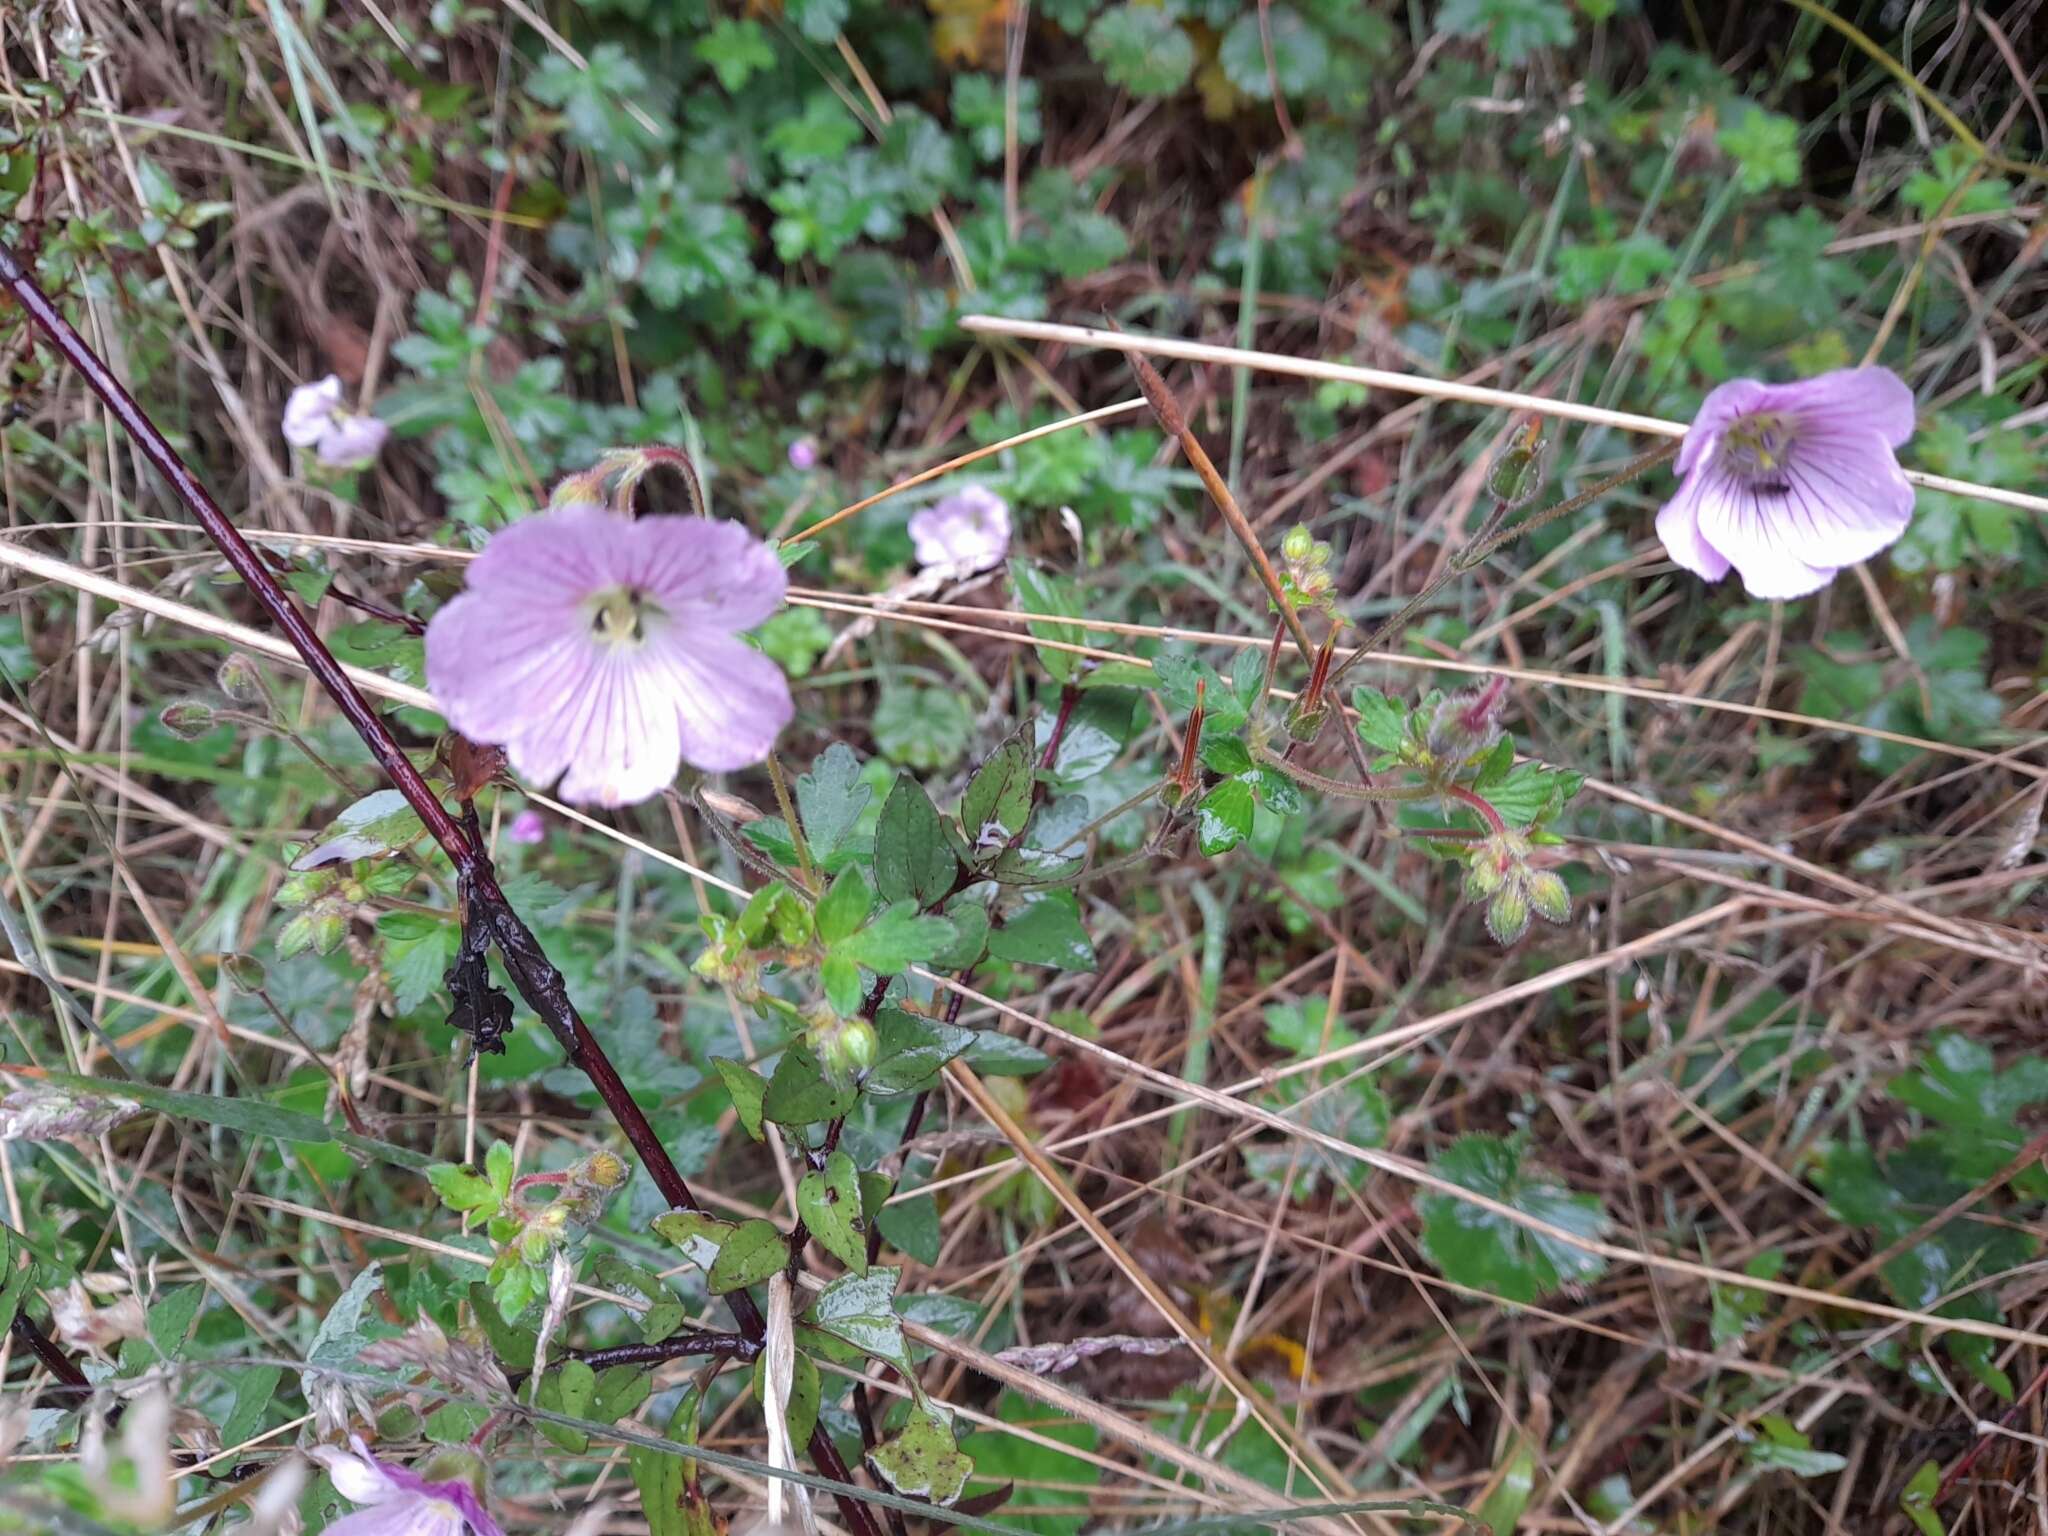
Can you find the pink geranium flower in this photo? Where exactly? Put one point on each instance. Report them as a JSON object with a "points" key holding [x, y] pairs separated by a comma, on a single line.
{"points": [[397, 1501], [527, 827], [1789, 483], [602, 650], [968, 530]]}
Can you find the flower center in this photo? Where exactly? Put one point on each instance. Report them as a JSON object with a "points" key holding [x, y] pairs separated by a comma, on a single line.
{"points": [[622, 616], [1756, 447]]}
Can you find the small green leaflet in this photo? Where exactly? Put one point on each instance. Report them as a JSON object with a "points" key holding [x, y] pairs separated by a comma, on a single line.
{"points": [[914, 858], [1041, 592], [1046, 930], [754, 1251], [800, 1094], [1381, 722], [998, 798], [921, 1460], [747, 1089], [859, 1310], [1486, 1250], [829, 1203], [374, 826], [830, 798]]}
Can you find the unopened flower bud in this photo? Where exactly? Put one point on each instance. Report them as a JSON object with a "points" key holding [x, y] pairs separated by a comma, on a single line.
{"points": [[1507, 915], [1548, 896], [244, 972], [1517, 475], [601, 1170], [238, 680], [1468, 722], [1298, 543], [188, 719], [1306, 724]]}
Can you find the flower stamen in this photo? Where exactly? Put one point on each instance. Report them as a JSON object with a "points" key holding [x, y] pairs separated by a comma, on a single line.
{"points": [[619, 615], [1756, 447]]}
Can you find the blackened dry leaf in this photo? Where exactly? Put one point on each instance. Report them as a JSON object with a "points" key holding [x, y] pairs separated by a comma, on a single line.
{"points": [[482, 1011], [470, 766]]}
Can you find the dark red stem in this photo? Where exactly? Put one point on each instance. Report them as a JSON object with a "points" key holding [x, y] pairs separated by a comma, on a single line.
{"points": [[536, 977], [73, 1386]]}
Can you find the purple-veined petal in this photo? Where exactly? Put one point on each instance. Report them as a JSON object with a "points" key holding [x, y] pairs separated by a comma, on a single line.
{"points": [[624, 743], [1738, 397], [1850, 400], [1678, 524], [410, 1514], [731, 702], [1748, 530], [704, 573]]}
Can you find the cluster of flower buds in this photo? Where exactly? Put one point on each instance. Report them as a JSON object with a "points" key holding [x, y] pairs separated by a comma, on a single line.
{"points": [[775, 920], [581, 1194], [1497, 872], [326, 898], [1305, 575]]}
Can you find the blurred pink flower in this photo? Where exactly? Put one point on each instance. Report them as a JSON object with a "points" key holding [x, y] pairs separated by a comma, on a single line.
{"points": [[341, 439], [1789, 483], [527, 827], [969, 530], [397, 1501], [601, 649], [803, 454]]}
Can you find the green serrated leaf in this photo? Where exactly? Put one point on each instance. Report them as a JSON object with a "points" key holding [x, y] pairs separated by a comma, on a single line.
{"points": [[1382, 723], [1223, 817], [844, 906], [840, 978], [897, 938], [997, 801], [800, 1094], [914, 858], [1142, 49], [970, 934], [830, 798], [1046, 930], [1486, 1250], [1042, 592], [754, 1251], [462, 1190], [829, 1203], [911, 1049]]}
